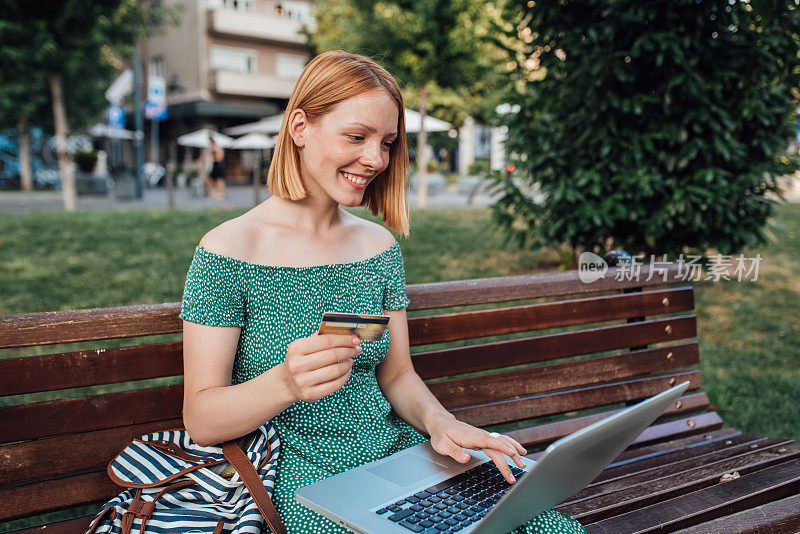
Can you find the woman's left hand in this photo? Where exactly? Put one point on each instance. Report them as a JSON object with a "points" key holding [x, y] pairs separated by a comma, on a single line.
{"points": [[450, 437]]}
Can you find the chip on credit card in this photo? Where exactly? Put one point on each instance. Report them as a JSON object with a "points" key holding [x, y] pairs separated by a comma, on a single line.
{"points": [[369, 327]]}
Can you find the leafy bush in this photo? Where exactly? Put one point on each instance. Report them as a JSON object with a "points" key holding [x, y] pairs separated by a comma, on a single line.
{"points": [[659, 126], [479, 167]]}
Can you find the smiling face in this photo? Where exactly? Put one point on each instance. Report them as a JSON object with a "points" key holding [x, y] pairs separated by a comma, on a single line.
{"points": [[344, 151]]}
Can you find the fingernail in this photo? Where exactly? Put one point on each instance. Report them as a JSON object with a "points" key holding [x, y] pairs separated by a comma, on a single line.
{"points": [[356, 340], [359, 349], [465, 456]]}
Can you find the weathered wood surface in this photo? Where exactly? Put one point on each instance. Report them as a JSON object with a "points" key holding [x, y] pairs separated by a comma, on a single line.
{"points": [[58, 494], [643, 488], [507, 384], [54, 418], [29, 461], [473, 324], [47, 328], [542, 348], [694, 507], [51, 372], [515, 408], [777, 517]]}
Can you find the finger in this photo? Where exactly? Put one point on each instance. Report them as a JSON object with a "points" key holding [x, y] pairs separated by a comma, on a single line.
{"points": [[516, 457], [325, 374], [499, 444], [501, 464], [522, 450], [449, 448], [326, 358], [319, 342], [325, 389]]}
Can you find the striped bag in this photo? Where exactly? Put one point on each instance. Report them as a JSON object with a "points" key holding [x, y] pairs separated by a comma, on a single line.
{"points": [[177, 486]]}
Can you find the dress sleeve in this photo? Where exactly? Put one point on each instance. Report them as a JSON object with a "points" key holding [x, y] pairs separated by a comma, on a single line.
{"points": [[214, 293], [394, 294]]}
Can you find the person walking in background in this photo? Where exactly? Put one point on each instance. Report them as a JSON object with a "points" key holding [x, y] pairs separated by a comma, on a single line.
{"points": [[213, 159]]}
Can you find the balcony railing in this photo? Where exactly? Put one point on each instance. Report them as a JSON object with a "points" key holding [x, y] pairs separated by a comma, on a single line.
{"points": [[255, 25], [248, 84]]}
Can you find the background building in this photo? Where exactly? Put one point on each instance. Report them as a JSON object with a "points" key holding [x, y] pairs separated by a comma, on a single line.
{"points": [[229, 62]]}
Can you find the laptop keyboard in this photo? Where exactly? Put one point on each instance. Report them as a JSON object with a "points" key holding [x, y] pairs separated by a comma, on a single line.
{"points": [[453, 504]]}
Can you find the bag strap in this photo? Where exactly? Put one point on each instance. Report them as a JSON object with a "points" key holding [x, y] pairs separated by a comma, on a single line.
{"points": [[252, 480]]}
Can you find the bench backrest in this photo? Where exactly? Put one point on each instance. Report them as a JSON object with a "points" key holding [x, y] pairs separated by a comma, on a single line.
{"points": [[536, 356]]}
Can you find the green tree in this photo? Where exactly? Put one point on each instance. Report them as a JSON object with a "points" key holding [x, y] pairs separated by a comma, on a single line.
{"points": [[428, 45], [65, 48], [657, 126]]}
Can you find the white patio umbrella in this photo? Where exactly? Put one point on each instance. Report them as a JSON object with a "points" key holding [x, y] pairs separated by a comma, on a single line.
{"points": [[272, 125], [200, 139], [253, 141], [432, 124], [267, 125]]}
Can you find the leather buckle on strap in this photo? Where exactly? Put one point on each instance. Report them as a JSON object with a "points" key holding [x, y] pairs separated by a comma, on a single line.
{"points": [[141, 508]]}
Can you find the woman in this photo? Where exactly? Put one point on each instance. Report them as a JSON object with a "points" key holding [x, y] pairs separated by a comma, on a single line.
{"points": [[215, 178], [259, 284]]}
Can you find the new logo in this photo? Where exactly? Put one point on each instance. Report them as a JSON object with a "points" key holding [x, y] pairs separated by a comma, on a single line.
{"points": [[591, 267]]}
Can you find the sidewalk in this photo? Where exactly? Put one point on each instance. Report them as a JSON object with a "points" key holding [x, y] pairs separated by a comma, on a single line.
{"points": [[239, 197]]}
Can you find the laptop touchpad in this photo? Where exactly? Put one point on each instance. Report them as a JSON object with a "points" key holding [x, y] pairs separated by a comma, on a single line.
{"points": [[407, 469]]}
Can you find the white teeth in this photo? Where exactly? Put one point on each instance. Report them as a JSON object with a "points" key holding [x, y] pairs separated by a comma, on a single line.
{"points": [[354, 178]]}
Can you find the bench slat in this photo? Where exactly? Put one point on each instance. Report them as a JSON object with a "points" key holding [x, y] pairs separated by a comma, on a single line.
{"points": [[547, 432], [748, 491], [637, 454], [54, 418], [679, 455], [32, 460], [495, 355], [480, 323], [507, 384], [69, 326], [777, 517], [550, 403], [648, 486], [681, 427], [79, 525], [56, 495], [51, 372], [529, 286], [657, 490]]}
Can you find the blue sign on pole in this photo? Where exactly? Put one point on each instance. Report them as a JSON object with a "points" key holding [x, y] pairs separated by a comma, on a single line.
{"points": [[155, 112], [115, 115]]}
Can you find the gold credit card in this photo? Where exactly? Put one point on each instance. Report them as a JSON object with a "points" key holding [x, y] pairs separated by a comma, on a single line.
{"points": [[370, 327]]}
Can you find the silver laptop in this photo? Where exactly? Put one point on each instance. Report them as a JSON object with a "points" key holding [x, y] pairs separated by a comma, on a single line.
{"points": [[420, 490]]}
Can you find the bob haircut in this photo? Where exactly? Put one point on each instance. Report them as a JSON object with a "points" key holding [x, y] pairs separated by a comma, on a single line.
{"points": [[329, 79]]}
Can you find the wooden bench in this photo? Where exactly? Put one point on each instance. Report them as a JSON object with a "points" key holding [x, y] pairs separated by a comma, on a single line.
{"points": [[537, 356]]}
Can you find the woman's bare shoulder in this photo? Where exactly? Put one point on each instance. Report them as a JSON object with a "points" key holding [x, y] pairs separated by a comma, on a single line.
{"points": [[378, 237], [232, 238]]}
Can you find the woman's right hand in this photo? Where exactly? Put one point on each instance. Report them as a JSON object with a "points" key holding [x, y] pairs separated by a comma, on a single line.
{"points": [[319, 364]]}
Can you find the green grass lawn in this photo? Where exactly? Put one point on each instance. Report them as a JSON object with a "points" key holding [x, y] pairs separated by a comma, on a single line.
{"points": [[749, 333]]}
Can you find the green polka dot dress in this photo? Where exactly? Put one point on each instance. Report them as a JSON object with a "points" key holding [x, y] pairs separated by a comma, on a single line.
{"points": [[275, 305]]}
